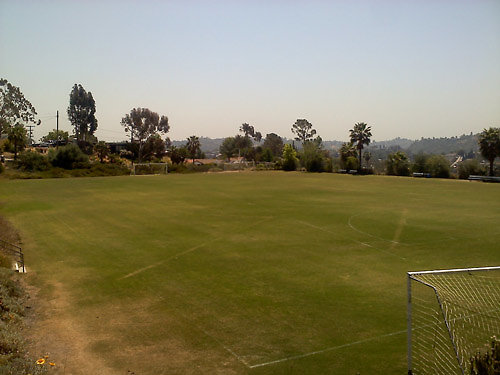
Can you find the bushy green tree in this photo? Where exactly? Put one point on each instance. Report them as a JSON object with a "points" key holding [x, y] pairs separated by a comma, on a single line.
{"points": [[438, 166], [352, 163], [303, 130], [398, 164], [489, 144], [227, 148], [313, 157], [177, 154], [420, 163], [290, 160], [266, 155], [470, 167], [15, 109], [154, 148], [274, 143], [67, 157], [142, 123]]}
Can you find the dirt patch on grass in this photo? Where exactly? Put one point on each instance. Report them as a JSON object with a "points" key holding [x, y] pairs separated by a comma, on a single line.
{"points": [[8, 232], [53, 332]]}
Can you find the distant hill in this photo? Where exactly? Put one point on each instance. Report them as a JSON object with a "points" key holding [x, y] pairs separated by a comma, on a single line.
{"points": [[207, 144], [403, 143], [463, 143], [445, 145]]}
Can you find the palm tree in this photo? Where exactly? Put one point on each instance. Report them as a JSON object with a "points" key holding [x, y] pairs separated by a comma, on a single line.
{"points": [[360, 136], [193, 146], [489, 143]]}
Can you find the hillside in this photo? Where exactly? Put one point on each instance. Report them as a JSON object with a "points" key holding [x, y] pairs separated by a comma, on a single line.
{"points": [[444, 145], [464, 143]]}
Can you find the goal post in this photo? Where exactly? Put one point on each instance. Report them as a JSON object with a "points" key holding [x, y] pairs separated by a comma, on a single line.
{"points": [[149, 168], [451, 315]]}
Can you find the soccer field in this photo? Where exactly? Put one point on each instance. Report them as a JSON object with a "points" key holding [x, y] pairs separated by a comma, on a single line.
{"points": [[243, 273]]}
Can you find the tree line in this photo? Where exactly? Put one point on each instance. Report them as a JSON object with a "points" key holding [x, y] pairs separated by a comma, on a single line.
{"points": [[147, 130]]}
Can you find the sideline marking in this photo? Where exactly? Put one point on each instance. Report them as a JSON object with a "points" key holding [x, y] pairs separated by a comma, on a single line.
{"points": [[326, 350]]}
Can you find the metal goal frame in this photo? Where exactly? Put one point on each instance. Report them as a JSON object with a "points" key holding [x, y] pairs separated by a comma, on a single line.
{"points": [[414, 276]]}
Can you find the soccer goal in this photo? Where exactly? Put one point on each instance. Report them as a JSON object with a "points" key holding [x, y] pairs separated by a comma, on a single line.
{"points": [[452, 314], [149, 168]]}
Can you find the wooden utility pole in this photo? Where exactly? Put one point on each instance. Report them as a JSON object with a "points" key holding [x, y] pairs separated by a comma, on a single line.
{"points": [[57, 130]]}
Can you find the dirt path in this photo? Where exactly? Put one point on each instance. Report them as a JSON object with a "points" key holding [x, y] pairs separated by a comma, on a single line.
{"points": [[54, 333]]}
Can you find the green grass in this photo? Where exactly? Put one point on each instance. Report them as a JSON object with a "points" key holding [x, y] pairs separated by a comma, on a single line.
{"points": [[248, 267]]}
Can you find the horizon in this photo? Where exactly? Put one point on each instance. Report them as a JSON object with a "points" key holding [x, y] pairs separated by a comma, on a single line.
{"points": [[409, 70]]}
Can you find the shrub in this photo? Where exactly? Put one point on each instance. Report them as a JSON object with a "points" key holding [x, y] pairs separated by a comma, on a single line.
{"points": [[32, 161], [66, 156], [351, 163], [290, 161], [312, 157], [438, 166], [487, 363], [397, 164], [470, 167], [420, 163]]}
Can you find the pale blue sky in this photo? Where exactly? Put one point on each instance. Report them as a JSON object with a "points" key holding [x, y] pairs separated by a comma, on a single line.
{"points": [[407, 68]]}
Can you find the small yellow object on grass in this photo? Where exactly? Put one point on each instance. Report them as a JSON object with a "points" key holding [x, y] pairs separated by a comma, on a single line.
{"points": [[52, 363], [41, 361]]}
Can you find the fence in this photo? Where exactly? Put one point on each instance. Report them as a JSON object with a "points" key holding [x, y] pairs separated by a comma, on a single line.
{"points": [[14, 250]]}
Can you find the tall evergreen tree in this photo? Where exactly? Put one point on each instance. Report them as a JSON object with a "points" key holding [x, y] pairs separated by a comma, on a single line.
{"points": [[81, 113]]}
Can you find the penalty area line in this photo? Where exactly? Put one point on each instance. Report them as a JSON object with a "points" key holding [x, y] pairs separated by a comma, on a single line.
{"points": [[325, 350]]}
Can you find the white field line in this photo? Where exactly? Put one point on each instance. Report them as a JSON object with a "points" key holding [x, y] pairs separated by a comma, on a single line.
{"points": [[349, 222], [239, 358], [326, 350], [175, 256], [361, 243]]}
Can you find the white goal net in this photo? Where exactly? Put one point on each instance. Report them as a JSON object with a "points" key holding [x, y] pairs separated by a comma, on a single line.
{"points": [[452, 314], [149, 168]]}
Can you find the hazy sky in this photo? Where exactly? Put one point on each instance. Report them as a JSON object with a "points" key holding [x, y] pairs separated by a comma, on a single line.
{"points": [[407, 68]]}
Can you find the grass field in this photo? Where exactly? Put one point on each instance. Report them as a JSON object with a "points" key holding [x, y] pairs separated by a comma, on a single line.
{"points": [[243, 273]]}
